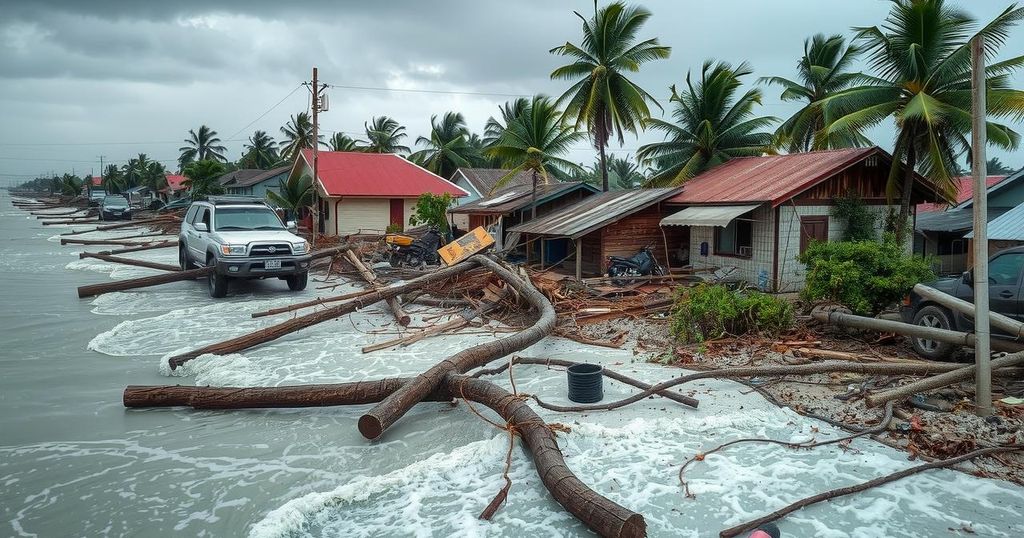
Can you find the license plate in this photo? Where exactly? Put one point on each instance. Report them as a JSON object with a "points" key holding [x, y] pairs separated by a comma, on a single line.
{"points": [[272, 264]]}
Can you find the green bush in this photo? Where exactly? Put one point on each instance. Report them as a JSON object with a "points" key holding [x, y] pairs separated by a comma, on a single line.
{"points": [[860, 221], [865, 276], [710, 311]]}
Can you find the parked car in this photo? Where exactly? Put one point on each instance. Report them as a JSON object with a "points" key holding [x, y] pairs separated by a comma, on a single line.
{"points": [[115, 207], [180, 203], [1005, 271], [241, 238], [96, 197]]}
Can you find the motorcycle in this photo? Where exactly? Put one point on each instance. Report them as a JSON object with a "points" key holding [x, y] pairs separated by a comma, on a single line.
{"points": [[643, 263], [418, 252]]}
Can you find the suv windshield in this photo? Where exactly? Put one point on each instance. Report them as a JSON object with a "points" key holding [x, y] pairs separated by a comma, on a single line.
{"points": [[246, 218], [115, 201]]}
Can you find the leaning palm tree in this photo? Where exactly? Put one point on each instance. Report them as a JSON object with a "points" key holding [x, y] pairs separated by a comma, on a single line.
{"points": [[200, 146], [298, 133], [342, 142], [384, 135], [922, 59], [295, 193], [261, 151], [602, 97], [448, 146], [535, 142], [822, 71], [201, 178], [711, 125]]}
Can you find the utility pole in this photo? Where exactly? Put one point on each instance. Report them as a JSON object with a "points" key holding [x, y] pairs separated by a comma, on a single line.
{"points": [[316, 90], [982, 330], [102, 182]]}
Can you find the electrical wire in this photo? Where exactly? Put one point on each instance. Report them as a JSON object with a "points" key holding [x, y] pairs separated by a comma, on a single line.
{"points": [[268, 111]]}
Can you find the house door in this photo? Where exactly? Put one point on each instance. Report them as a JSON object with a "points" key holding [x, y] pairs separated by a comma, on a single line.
{"points": [[398, 213], [812, 229]]}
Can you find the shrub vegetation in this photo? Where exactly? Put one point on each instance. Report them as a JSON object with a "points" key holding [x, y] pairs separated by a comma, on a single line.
{"points": [[710, 311]]}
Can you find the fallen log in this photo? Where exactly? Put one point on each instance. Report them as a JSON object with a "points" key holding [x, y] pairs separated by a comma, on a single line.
{"points": [[401, 316], [68, 221], [272, 333], [312, 302], [930, 333], [163, 244], [66, 241], [125, 224], [999, 321], [133, 283], [936, 382], [839, 492], [129, 261], [845, 356], [463, 319], [373, 423], [48, 215], [610, 374], [600, 514]]}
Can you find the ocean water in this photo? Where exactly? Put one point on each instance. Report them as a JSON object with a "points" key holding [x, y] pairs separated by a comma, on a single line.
{"points": [[75, 462]]}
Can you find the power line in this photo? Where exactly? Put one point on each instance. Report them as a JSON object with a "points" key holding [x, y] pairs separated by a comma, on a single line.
{"points": [[268, 111], [414, 90]]}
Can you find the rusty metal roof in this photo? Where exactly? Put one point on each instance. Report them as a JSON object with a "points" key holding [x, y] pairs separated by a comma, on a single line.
{"points": [[1006, 227], [770, 178], [485, 179], [519, 197], [594, 212]]}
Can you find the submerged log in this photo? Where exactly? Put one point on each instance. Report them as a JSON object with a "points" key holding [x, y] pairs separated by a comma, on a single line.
{"points": [[312, 302], [163, 244], [126, 224], [129, 261], [133, 283], [66, 241], [401, 316], [85, 220], [272, 333], [373, 423]]}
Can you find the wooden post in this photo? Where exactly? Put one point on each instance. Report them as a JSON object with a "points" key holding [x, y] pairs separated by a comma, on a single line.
{"points": [[542, 254], [579, 258], [982, 330]]}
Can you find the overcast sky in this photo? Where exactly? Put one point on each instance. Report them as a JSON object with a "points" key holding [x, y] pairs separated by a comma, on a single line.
{"points": [[80, 79]]}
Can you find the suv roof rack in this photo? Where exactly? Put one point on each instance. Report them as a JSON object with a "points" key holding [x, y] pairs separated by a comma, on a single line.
{"points": [[227, 200]]}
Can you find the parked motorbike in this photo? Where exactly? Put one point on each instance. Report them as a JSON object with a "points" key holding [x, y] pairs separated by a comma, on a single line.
{"points": [[643, 263], [419, 252]]}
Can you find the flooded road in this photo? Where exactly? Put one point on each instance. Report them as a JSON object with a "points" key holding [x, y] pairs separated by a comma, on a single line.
{"points": [[74, 462]]}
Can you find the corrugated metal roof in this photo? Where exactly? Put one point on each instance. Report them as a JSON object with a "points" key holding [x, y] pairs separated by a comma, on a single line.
{"points": [[263, 176], [378, 175], [594, 212], [484, 179], [1007, 227], [519, 197], [952, 220], [717, 215], [964, 192], [1010, 180], [236, 176], [770, 178]]}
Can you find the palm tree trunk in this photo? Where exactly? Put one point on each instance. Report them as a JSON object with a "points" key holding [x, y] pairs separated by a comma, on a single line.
{"points": [[533, 197], [604, 165], [905, 193]]}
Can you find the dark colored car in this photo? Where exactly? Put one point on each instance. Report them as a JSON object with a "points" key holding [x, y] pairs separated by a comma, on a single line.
{"points": [[1005, 270], [181, 203], [115, 207]]}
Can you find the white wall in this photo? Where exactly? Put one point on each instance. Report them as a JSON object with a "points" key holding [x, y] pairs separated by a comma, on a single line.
{"points": [[747, 268]]}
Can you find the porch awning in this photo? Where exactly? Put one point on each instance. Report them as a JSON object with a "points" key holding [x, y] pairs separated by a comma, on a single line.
{"points": [[719, 215]]}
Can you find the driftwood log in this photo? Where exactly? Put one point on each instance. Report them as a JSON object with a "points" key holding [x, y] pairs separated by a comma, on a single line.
{"points": [[126, 224], [312, 302], [143, 282], [401, 317], [113, 242], [378, 419], [163, 244], [963, 373], [129, 261]]}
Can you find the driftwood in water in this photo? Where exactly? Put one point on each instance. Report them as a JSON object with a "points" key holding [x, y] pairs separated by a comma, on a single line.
{"points": [[964, 373], [146, 281], [272, 333], [84, 220], [312, 302], [39, 215], [600, 514], [126, 224], [66, 241], [373, 423], [401, 316], [162, 244], [129, 261]]}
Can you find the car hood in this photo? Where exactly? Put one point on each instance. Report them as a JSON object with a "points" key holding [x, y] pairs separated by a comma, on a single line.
{"points": [[945, 285], [240, 237]]}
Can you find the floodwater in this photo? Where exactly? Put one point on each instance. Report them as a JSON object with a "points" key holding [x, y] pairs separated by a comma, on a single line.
{"points": [[74, 462]]}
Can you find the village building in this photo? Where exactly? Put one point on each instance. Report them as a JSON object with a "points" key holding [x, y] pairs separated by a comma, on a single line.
{"points": [[939, 229], [1006, 216], [255, 182], [175, 187], [755, 215], [581, 237], [482, 183], [368, 192], [514, 205]]}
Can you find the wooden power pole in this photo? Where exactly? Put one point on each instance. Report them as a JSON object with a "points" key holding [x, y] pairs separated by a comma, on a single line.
{"points": [[982, 330], [316, 158]]}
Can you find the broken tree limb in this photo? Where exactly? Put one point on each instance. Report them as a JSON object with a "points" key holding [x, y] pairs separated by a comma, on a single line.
{"points": [[839, 492], [401, 317], [610, 374], [1013, 327], [142, 282], [312, 302], [129, 261], [463, 319], [938, 381], [918, 331], [163, 244], [272, 333], [378, 419]]}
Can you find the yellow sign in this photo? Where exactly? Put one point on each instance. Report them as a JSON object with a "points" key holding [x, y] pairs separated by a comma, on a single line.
{"points": [[465, 246]]}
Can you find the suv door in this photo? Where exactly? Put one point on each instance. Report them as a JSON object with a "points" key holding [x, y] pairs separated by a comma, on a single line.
{"points": [[196, 241], [1004, 283]]}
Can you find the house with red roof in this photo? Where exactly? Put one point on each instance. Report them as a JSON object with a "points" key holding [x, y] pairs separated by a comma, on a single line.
{"points": [[754, 215], [367, 192], [175, 188]]}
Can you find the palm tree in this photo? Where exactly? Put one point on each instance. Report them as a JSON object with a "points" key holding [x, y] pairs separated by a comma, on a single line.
{"points": [[448, 146], [296, 193], [298, 133], [534, 141], [822, 71], [70, 185], [154, 176], [602, 97], [342, 142], [922, 59], [996, 167], [201, 178], [132, 171], [260, 152], [711, 126], [201, 146], [384, 135], [112, 178], [509, 112], [625, 172]]}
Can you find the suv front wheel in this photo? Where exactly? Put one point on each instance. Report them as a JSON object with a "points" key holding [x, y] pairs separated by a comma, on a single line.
{"points": [[935, 317], [218, 282], [297, 282]]}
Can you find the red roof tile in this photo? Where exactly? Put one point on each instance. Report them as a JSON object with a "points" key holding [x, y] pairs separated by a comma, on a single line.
{"points": [[964, 189], [770, 178], [174, 182], [380, 175]]}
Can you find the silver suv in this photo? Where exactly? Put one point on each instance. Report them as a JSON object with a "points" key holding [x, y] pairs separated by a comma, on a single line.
{"points": [[241, 238]]}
